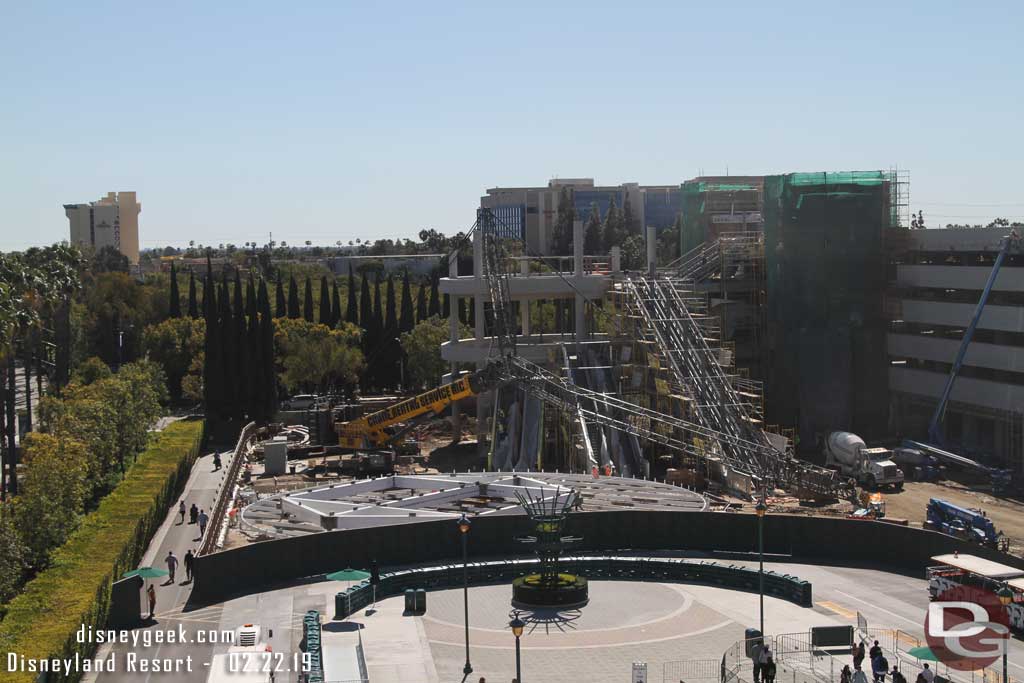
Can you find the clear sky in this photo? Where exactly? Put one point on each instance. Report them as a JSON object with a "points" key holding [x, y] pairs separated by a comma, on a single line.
{"points": [[336, 120]]}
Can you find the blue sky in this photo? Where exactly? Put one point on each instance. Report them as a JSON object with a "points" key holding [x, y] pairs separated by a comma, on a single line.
{"points": [[336, 120]]}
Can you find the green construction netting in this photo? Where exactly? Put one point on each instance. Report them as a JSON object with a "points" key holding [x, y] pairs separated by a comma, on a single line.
{"points": [[839, 178], [826, 275]]}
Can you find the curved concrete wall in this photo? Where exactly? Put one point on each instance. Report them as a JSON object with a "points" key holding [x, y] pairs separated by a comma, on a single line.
{"points": [[818, 539]]}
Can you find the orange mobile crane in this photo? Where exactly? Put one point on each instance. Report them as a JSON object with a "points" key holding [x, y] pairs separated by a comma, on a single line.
{"points": [[377, 430]]}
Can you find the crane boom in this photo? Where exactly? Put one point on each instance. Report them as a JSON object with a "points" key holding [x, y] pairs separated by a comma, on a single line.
{"points": [[934, 434], [370, 431]]}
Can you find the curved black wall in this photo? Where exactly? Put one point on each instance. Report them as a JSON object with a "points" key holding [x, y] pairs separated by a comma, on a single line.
{"points": [[828, 540]]}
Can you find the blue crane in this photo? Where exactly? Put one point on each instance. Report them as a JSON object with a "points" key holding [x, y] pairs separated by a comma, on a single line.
{"points": [[936, 446], [934, 434]]}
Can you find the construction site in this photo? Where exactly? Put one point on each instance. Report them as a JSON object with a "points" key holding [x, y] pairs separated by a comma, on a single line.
{"points": [[757, 367]]}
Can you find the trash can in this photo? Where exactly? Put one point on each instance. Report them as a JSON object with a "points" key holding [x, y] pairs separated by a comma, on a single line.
{"points": [[410, 600], [752, 642], [421, 600]]}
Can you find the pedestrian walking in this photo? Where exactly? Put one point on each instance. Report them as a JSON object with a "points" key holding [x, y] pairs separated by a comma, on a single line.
{"points": [[927, 674], [764, 655], [846, 675], [879, 667], [858, 675], [193, 513], [216, 461], [858, 655], [189, 559], [172, 563], [768, 670], [203, 520], [181, 511], [874, 651], [151, 595], [897, 676]]}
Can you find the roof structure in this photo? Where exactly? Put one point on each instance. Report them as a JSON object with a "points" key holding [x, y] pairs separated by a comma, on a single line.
{"points": [[403, 499]]}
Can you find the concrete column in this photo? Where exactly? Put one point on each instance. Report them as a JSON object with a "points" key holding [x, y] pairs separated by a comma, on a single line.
{"points": [[453, 336], [453, 301], [478, 273], [616, 259], [577, 247], [652, 250], [580, 327]]}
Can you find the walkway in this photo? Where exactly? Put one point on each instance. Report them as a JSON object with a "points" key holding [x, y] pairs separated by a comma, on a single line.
{"points": [[171, 599]]}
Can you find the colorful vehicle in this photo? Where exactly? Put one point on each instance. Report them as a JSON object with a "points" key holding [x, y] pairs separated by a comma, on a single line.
{"points": [[969, 570]]}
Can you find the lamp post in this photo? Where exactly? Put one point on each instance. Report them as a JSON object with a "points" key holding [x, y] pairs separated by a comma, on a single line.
{"points": [[1005, 596], [464, 532], [760, 509], [517, 626]]}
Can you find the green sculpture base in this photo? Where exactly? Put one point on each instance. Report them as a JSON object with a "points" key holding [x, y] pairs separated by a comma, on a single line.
{"points": [[570, 591]]}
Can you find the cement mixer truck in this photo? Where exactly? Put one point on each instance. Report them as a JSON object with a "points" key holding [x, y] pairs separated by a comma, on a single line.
{"points": [[873, 468]]}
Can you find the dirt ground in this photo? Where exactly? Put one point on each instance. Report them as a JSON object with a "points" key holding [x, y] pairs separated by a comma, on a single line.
{"points": [[912, 502]]}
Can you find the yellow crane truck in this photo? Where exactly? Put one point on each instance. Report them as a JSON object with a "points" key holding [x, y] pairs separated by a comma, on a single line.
{"points": [[378, 430]]}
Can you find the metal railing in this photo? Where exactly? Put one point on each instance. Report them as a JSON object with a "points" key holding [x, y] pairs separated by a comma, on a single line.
{"points": [[219, 520]]}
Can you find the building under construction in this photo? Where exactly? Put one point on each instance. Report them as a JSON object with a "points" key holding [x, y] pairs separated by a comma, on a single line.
{"points": [[769, 332]]}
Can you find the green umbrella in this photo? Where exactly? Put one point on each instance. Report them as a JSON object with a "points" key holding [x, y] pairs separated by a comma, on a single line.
{"points": [[146, 573], [348, 574], [923, 652]]}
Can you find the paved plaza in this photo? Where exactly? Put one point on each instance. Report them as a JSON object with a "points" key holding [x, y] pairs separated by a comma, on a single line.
{"points": [[623, 623]]}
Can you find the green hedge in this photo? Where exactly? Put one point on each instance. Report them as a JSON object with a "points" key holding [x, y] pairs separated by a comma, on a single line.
{"points": [[75, 590]]}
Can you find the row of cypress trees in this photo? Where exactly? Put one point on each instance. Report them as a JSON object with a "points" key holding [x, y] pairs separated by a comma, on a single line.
{"points": [[240, 332]]}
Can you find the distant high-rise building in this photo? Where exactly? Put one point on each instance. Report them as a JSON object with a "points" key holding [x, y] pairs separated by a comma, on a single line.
{"points": [[112, 221], [534, 210]]}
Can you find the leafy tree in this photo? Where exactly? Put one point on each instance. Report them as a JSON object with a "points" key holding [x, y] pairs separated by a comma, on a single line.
{"points": [[174, 345], [630, 226], [422, 348], [375, 332], [250, 297], [335, 303], [390, 356], [314, 357], [193, 308], [209, 294], [109, 260], [613, 233], [91, 370], [434, 307], [293, 298], [634, 253], [325, 303], [212, 370], [14, 558], [561, 236], [352, 309], [268, 390], [307, 304], [281, 309], [668, 241], [52, 494], [407, 320], [175, 303], [421, 304], [116, 310], [593, 235]]}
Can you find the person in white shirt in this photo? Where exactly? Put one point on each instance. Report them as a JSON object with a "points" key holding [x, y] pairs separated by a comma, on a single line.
{"points": [[928, 674], [859, 676]]}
